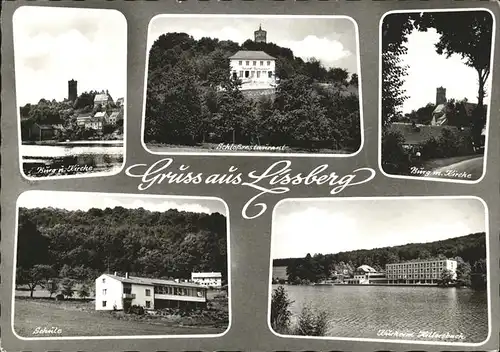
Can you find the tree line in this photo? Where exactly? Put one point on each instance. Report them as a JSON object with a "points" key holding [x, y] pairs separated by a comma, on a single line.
{"points": [[62, 245], [192, 98], [469, 251]]}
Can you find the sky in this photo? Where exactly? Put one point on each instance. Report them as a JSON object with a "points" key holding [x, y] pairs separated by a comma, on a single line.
{"points": [[429, 70], [54, 45], [332, 226], [331, 40], [84, 201]]}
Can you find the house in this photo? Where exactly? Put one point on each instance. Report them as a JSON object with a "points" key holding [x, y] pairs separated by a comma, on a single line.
{"points": [[209, 279], [41, 132], [103, 99], [115, 117], [90, 122], [255, 69], [102, 116], [365, 275], [112, 292], [120, 102]]}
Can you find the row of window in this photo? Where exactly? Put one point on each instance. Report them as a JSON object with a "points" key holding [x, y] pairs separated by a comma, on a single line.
{"points": [[414, 270], [178, 291], [247, 63], [252, 74], [407, 265], [416, 276], [105, 303]]}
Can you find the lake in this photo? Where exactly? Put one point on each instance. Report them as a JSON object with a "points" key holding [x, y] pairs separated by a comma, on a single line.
{"points": [[75, 157], [363, 311]]}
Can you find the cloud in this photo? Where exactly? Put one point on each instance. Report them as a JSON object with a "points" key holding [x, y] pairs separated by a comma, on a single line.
{"points": [[327, 51], [85, 201], [305, 231], [54, 45]]}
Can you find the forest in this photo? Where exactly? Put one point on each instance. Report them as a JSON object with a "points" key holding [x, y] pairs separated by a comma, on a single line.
{"points": [[192, 99], [62, 245], [470, 252]]}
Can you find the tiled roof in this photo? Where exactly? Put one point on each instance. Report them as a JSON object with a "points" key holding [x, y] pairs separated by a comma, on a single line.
{"points": [[251, 55], [100, 114], [147, 281]]}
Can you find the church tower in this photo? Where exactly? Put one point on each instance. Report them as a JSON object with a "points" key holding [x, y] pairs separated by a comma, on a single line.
{"points": [[72, 90], [440, 96], [260, 35]]}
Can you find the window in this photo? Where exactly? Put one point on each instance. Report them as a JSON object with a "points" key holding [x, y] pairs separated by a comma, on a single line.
{"points": [[103, 280], [240, 63], [148, 292], [268, 63], [241, 73], [104, 291], [247, 63], [103, 304], [234, 75], [258, 74], [247, 74], [270, 74], [253, 74], [148, 304], [255, 63], [262, 63]]}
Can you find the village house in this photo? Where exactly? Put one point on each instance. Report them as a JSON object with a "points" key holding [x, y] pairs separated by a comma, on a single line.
{"points": [[103, 99], [365, 275], [209, 279], [120, 102], [115, 117], [102, 116], [112, 291], [255, 69], [41, 132], [90, 122]]}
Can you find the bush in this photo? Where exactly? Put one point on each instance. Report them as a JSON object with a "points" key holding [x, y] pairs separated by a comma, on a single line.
{"points": [[137, 310], [311, 322], [280, 310], [394, 157]]}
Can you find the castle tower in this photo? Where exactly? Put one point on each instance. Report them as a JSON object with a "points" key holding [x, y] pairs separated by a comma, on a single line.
{"points": [[260, 35], [72, 90], [440, 96]]}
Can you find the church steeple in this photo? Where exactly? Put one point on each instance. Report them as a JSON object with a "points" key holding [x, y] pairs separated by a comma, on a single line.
{"points": [[260, 35]]}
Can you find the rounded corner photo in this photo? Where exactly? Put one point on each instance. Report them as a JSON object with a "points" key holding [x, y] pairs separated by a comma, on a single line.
{"points": [[381, 270], [71, 106], [253, 85], [102, 265], [435, 93]]}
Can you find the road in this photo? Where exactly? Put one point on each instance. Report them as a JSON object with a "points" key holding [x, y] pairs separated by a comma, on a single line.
{"points": [[471, 169]]}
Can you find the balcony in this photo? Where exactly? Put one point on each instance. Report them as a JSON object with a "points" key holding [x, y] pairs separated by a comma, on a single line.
{"points": [[128, 296]]}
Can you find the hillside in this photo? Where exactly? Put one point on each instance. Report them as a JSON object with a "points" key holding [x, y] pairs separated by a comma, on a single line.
{"points": [[84, 244], [192, 99]]}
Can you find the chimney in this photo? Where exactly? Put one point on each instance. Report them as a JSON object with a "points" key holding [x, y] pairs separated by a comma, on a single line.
{"points": [[126, 275]]}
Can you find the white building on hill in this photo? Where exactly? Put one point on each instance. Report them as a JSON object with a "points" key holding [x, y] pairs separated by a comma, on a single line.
{"points": [[255, 69], [112, 291], [212, 279]]}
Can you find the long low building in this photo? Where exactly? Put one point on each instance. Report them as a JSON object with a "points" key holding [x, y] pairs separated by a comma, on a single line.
{"points": [[208, 279], [112, 291], [420, 272]]}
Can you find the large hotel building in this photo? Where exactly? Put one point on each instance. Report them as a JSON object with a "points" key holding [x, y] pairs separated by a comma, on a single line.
{"points": [[419, 272]]}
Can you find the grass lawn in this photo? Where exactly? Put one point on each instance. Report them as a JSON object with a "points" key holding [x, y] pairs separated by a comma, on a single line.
{"points": [[78, 318], [212, 147]]}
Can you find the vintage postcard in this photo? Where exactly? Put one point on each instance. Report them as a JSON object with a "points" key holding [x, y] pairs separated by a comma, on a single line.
{"points": [[435, 93], [253, 84], [71, 77], [92, 264], [381, 269]]}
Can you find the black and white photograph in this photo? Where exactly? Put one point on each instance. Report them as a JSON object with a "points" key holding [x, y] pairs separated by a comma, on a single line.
{"points": [[253, 85], [97, 264], [71, 75], [410, 269], [435, 94]]}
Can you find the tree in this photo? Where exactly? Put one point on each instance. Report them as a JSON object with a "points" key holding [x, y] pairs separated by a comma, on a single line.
{"points": [[35, 276], [84, 291], [338, 75], [463, 272], [67, 287], [311, 322], [446, 277], [472, 40], [354, 80], [280, 310]]}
